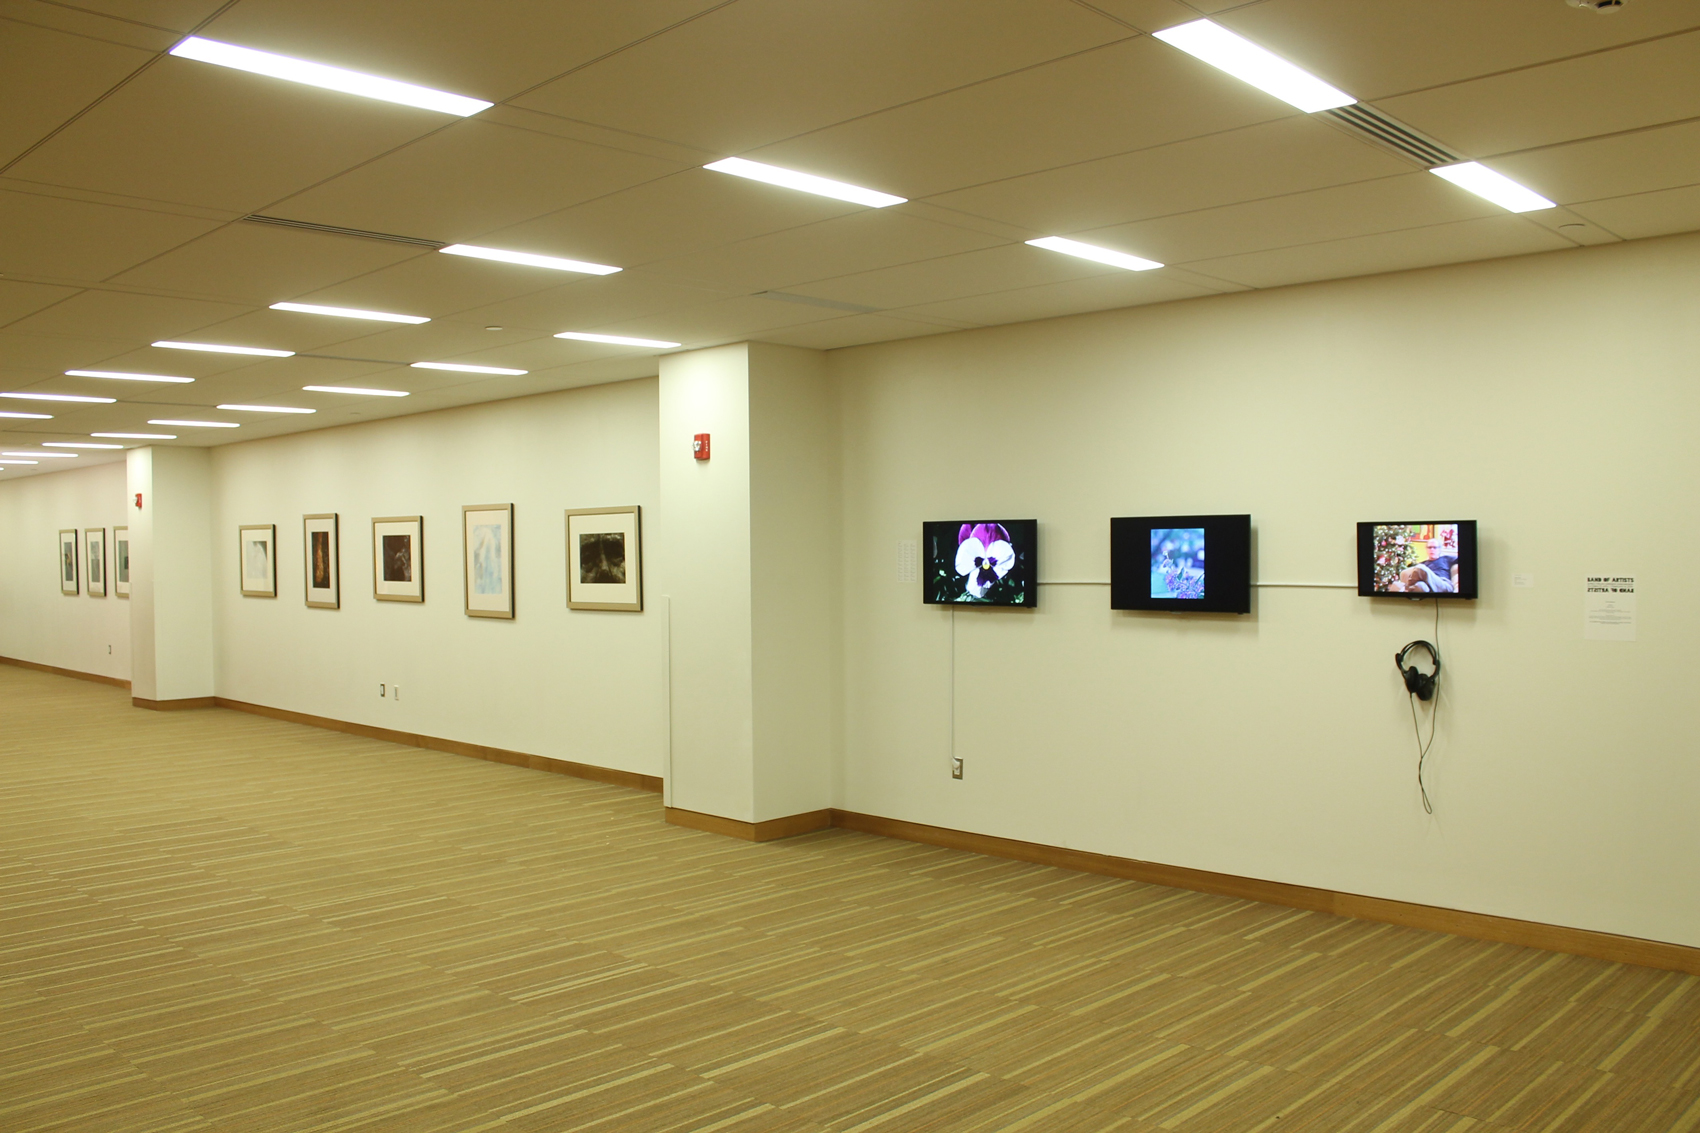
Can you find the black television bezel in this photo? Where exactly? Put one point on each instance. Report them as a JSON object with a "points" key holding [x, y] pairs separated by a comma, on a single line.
{"points": [[1030, 568], [1226, 591], [1469, 567]]}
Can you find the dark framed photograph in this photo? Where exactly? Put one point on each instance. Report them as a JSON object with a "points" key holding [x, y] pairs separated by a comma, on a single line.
{"points": [[487, 542], [324, 561], [120, 566], [69, 579], [398, 558], [257, 551], [94, 538], [605, 558]]}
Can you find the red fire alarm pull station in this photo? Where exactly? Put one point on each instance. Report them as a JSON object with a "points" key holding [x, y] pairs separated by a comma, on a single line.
{"points": [[699, 446], [138, 501]]}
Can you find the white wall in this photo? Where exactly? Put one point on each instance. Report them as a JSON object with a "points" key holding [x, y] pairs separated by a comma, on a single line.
{"points": [[37, 622], [583, 685], [1553, 398]]}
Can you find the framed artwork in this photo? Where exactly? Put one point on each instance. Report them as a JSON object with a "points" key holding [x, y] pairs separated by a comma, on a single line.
{"points": [[68, 578], [324, 561], [257, 554], [120, 565], [95, 561], [398, 558], [487, 533], [604, 558]]}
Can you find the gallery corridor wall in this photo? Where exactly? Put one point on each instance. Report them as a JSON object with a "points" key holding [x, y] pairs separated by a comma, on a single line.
{"points": [[38, 622], [581, 685], [1553, 398]]}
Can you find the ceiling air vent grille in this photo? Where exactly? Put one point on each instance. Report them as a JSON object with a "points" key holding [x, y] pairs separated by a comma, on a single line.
{"points": [[333, 230], [1372, 125]]}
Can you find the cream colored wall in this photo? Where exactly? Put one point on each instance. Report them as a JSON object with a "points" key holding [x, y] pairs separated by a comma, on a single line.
{"points": [[37, 622], [582, 685], [1555, 399]]}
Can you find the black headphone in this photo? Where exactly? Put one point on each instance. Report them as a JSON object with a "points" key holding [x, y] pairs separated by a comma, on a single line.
{"points": [[1418, 683]]}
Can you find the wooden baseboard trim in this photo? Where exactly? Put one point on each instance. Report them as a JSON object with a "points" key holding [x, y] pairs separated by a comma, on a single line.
{"points": [[116, 682], [768, 830], [181, 705], [1478, 926], [589, 771]]}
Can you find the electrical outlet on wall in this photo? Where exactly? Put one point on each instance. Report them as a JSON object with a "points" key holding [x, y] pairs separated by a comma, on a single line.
{"points": [[956, 767], [395, 692], [383, 690]]}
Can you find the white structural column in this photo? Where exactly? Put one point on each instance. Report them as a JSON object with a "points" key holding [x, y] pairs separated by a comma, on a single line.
{"points": [[171, 619], [747, 552]]}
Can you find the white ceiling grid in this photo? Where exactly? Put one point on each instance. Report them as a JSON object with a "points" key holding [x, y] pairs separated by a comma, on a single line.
{"points": [[125, 175]]}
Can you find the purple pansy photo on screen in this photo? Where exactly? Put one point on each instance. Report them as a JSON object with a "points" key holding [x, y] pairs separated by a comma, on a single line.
{"points": [[980, 562]]}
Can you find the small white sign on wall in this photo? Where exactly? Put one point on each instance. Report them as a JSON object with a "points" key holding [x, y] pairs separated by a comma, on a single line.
{"points": [[1608, 608], [907, 561]]}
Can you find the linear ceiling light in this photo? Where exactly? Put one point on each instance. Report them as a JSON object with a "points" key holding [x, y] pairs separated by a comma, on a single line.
{"points": [[460, 369], [44, 455], [804, 182], [617, 339], [61, 397], [1249, 63], [75, 444], [126, 377], [217, 348], [349, 313], [1491, 186], [356, 390], [194, 424], [330, 78], [28, 416], [528, 259], [20, 462], [138, 436], [266, 409], [1093, 252]]}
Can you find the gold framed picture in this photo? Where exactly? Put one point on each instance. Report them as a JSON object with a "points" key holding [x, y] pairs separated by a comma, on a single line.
{"points": [[257, 559], [324, 561], [398, 558], [487, 543], [605, 558]]}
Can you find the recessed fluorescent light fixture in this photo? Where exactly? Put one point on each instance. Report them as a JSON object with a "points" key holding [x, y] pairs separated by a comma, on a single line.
{"points": [[1249, 63], [28, 416], [126, 377], [528, 259], [215, 348], [356, 390], [804, 182], [44, 455], [460, 369], [195, 424], [1491, 186], [20, 462], [1096, 254], [61, 397], [349, 313], [266, 409], [75, 444], [139, 436], [330, 78], [617, 339]]}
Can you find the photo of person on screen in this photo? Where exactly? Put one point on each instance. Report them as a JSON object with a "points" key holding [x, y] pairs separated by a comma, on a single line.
{"points": [[1437, 576]]}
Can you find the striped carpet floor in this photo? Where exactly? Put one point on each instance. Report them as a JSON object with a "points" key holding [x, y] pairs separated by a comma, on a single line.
{"points": [[213, 921]]}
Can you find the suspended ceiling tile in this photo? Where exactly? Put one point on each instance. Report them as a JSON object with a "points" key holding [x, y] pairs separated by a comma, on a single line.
{"points": [[1069, 297], [45, 356], [1148, 15], [438, 286], [1387, 204], [20, 299], [175, 15], [1377, 50], [1001, 268], [1290, 155], [1640, 162], [488, 51], [259, 263], [433, 341], [754, 72], [1625, 89], [286, 330], [1458, 242], [872, 238], [469, 179], [688, 212], [720, 321], [53, 236], [1086, 106], [1647, 214], [591, 303], [197, 134], [853, 330], [47, 76], [121, 316]]}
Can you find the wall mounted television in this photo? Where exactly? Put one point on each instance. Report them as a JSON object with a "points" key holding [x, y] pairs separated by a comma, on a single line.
{"points": [[1417, 559], [1188, 564], [981, 562]]}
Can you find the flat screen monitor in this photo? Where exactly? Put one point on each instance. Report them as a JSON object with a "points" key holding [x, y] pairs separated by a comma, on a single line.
{"points": [[1417, 560], [981, 562], [1187, 564]]}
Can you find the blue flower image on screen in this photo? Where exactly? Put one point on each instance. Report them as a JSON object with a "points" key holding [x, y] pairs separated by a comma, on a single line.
{"points": [[1177, 562]]}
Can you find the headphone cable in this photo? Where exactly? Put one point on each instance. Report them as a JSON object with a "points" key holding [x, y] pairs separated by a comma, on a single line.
{"points": [[1434, 716]]}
